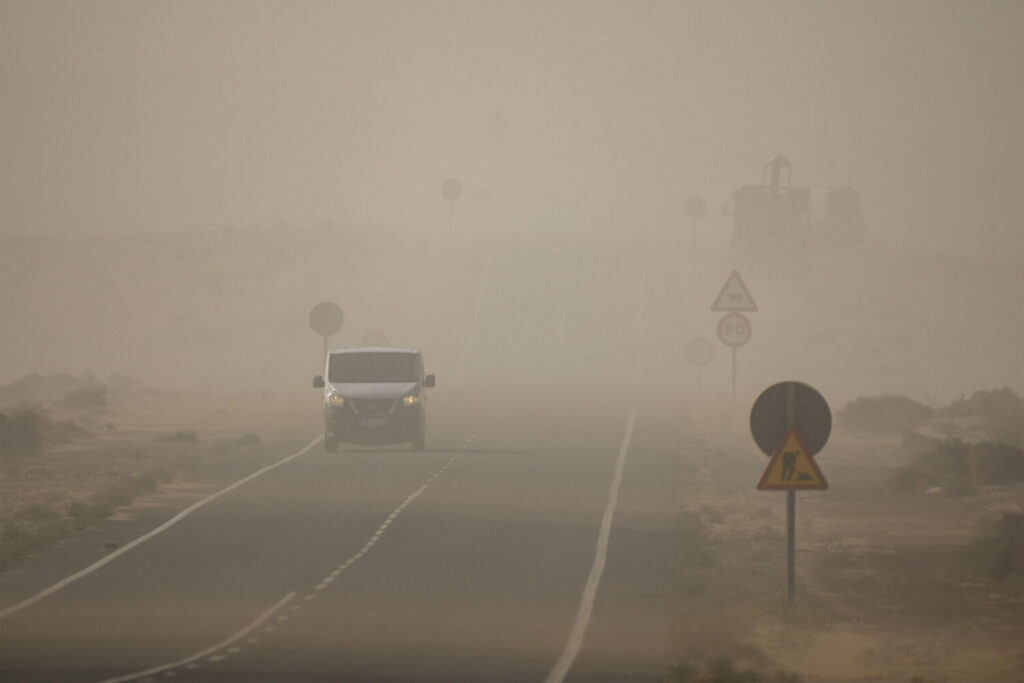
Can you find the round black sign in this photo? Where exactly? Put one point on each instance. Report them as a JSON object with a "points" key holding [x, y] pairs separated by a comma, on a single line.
{"points": [[325, 318], [790, 404], [451, 189]]}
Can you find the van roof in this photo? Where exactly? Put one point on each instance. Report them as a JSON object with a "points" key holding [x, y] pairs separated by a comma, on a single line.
{"points": [[374, 349]]}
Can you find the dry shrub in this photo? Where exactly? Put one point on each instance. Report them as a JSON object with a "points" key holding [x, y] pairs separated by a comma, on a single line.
{"points": [[1001, 548], [20, 433], [945, 465], [996, 463], [885, 415], [999, 412]]}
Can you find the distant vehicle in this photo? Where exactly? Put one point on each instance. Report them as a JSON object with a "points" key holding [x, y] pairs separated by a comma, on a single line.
{"points": [[374, 396], [775, 216]]}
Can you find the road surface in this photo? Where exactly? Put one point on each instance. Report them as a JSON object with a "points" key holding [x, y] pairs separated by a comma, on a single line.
{"points": [[533, 541]]}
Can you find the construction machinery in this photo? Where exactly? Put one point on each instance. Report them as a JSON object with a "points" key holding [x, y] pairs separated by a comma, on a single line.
{"points": [[775, 216]]}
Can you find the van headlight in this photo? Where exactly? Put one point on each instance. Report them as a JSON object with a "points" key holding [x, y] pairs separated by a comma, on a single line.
{"points": [[410, 400], [335, 401]]}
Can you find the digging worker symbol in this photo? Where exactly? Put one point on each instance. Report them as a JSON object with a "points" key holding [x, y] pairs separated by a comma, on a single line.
{"points": [[789, 467]]}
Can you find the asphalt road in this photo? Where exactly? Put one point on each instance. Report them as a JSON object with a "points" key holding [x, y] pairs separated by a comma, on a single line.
{"points": [[469, 562]]}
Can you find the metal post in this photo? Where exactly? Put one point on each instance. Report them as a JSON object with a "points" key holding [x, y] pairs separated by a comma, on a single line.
{"points": [[790, 546], [734, 372], [323, 359], [451, 218], [791, 506], [693, 247]]}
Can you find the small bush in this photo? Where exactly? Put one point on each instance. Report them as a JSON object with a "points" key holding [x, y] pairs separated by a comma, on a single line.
{"points": [[888, 414], [249, 440], [88, 397], [63, 431], [945, 466], [1000, 413], [19, 433], [1001, 548], [183, 436], [722, 670], [996, 463]]}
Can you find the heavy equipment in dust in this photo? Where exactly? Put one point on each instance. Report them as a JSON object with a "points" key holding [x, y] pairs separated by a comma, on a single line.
{"points": [[775, 216]]}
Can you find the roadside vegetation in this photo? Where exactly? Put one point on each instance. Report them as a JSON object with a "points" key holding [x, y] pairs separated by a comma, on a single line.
{"points": [[973, 441], [1000, 549], [65, 466], [972, 444]]}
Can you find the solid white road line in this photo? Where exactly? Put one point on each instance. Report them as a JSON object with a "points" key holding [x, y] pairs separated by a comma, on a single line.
{"points": [[210, 650], [579, 628], [159, 530]]}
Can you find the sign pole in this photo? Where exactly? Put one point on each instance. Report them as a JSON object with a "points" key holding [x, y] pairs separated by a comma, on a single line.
{"points": [[791, 546], [791, 506], [734, 372], [325, 318], [799, 412]]}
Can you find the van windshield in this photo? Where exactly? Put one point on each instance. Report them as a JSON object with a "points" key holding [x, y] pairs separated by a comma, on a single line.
{"points": [[373, 367]]}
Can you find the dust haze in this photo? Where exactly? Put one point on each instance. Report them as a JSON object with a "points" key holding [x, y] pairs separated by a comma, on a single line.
{"points": [[182, 181]]}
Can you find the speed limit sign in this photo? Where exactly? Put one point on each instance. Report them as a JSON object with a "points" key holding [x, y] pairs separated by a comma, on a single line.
{"points": [[734, 330]]}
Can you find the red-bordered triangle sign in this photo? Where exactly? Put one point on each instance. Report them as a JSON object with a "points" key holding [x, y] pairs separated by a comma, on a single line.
{"points": [[734, 296], [791, 468]]}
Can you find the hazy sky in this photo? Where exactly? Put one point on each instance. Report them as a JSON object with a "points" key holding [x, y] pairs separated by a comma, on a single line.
{"points": [[162, 115]]}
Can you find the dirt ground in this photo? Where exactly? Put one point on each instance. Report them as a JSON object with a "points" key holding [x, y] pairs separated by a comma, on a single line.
{"points": [[889, 587], [132, 435]]}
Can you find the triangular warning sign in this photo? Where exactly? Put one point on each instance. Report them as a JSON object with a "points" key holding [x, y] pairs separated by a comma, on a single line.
{"points": [[734, 296], [791, 468]]}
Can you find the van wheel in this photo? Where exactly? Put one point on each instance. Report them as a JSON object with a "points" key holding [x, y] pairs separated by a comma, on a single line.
{"points": [[419, 443], [330, 444]]}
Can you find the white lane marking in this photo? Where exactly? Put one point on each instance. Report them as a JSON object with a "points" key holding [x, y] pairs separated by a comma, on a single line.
{"points": [[188, 662], [379, 532], [159, 530], [579, 627]]}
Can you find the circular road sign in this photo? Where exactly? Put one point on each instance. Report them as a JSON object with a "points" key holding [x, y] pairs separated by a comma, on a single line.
{"points": [[696, 207], [699, 351], [790, 404], [374, 339], [734, 329], [325, 318], [451, 189]]}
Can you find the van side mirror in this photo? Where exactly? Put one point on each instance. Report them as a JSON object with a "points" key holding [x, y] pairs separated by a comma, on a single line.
{"points": [[318, 382], [428, 381]]}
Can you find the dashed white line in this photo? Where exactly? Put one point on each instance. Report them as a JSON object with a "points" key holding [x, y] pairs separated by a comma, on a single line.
{"points": [[189, 662], [217, 652]]}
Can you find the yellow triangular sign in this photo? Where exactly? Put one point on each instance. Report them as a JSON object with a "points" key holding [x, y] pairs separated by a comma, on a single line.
{"points": [[734, 297], [791, 468]]}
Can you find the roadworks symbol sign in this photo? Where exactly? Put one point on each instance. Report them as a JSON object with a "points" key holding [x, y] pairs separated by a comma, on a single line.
{"points": [[734, 297], [791, 468]]}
